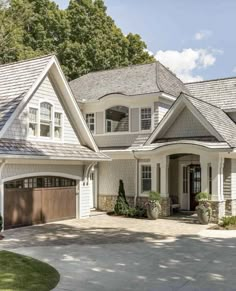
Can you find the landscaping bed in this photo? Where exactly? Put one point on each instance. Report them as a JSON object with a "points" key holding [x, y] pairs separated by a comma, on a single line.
{"points": [[227, 223], [21, 273]]}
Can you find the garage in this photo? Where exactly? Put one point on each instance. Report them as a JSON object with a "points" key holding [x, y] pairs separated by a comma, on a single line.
{"points": [[36, 200]]}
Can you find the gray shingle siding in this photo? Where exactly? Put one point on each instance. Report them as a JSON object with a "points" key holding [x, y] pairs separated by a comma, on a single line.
{"points": [[227, 179], [186, 125], [99, 122]]}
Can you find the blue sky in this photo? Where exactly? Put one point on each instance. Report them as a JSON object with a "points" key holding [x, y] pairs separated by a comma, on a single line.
{"points": [[196, 39]]}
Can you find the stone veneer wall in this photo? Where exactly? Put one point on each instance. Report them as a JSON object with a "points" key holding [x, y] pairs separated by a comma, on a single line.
{"points": [[107, 203], [230, 207], [218, 210]]}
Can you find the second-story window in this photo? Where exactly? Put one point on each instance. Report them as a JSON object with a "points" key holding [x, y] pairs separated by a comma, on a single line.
{"points": [[45, 119], [57, 125], [146, 118], [90, 120], [33, 119], [117, 119]]}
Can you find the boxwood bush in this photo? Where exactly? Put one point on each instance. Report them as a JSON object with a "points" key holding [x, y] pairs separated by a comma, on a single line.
{"points": [[228, 221]]}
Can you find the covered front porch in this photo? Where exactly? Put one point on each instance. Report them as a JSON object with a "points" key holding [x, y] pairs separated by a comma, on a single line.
{"points": [[179, 172]]}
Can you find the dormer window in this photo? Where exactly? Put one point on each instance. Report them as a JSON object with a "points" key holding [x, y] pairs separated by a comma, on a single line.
{"points": [[117, 119], [45, 119]]}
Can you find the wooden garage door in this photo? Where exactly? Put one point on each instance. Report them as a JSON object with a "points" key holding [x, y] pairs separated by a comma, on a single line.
{"points": [[27, 204]]}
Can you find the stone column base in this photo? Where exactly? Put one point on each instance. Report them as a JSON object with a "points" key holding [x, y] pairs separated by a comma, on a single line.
{"points": [[230, 207], [218, 210]]}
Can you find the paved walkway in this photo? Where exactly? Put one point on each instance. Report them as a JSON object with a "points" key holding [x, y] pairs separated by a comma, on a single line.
{"points": [[113, 253]]}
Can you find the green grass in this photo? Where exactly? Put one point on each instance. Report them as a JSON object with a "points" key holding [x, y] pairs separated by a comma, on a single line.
{"points": [[21, 273]]}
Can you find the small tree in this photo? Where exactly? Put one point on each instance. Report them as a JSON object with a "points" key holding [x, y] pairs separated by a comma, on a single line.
{"points": [[121, 206]]}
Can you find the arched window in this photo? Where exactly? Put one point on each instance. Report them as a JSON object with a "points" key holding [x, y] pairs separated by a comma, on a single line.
{"points": [[45, 119], [117, 119]]}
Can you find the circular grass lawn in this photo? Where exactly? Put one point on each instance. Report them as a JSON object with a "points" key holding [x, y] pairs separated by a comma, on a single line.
{"points": [[23, 273]]}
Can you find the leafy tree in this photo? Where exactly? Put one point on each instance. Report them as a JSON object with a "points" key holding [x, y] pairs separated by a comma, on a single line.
{"points": [[83, 36]]}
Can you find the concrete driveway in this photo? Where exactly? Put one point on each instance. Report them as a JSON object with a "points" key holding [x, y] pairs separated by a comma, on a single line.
{"points": [[113, 253]]}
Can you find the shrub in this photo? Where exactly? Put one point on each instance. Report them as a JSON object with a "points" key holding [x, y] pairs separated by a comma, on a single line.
{"points": [[136, 212], [121, 206], [154, 196], [228, 220], [202, 196]]}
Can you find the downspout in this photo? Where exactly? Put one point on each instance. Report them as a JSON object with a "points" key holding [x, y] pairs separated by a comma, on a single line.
{"points": [[137, 184]]}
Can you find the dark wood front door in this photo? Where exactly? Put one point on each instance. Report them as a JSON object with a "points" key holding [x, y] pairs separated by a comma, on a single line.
{"points": [[195, 184], [26, 206]]}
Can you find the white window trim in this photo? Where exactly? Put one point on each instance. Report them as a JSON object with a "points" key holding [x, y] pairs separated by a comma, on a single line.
{"points": [[115, 132], [28, 122], [140, 123], [145, 193], [44, 138], [95, 116]]}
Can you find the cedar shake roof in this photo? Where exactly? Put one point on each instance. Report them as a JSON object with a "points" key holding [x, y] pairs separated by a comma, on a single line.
{"points": [[16, 79], [219, 92], [132, 80], [57, 151]]}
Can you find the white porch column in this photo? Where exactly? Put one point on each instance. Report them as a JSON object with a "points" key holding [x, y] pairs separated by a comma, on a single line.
{"points": [[164, 167], [154, 176], [204, 174], [217, 179]]}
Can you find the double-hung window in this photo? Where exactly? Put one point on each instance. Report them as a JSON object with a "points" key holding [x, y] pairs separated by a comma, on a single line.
{"points": [[146, 118], [57, 125], [90, 120], [33, 119], [146, 178], [45, 119]]}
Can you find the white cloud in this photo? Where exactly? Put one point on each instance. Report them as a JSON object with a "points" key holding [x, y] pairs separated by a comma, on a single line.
{"points": [[183, 63], [203, 34]]}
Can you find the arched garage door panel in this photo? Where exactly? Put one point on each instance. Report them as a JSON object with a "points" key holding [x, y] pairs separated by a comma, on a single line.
{"points": [[26, 204]]}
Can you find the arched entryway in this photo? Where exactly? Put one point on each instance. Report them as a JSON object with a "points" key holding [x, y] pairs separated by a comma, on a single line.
{"points": [[184, 180]]}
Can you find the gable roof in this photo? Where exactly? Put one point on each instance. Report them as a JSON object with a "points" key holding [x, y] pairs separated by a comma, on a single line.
{"points": [[132, 80], [15, 81], [18, 82], [219, 92], [216, 120]]}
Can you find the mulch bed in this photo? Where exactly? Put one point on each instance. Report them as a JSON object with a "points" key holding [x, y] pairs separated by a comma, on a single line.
{"points": [[1, 237]]}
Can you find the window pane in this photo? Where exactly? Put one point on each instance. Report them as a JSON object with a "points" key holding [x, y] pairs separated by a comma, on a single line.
{"points": [[57, 132], [45, 130], [57, 118], [32, 129], [33, 115], [45, 111], [90, 120], [146, 177], [117, 119], [146, 117]]}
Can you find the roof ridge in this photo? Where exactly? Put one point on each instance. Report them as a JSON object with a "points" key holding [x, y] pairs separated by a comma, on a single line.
{"points": [[27, 60], [210, 80], [172, 73], [191, 96], [157, 82]]}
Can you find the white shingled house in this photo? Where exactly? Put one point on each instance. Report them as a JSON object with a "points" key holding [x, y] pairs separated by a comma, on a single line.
{"points": [[162, 135], [46, 149]]}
